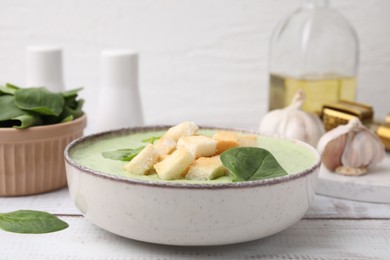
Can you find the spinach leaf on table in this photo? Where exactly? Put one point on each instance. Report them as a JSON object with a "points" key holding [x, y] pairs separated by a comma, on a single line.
{"points": [[251, 163], [31, 222]]}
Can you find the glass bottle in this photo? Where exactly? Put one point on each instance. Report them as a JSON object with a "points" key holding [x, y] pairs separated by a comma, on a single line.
{"points": [[317, 50]]}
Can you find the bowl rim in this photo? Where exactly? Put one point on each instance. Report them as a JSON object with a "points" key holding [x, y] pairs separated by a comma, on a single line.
{"points": [[41, 127], [178, 185], [42, 132]]}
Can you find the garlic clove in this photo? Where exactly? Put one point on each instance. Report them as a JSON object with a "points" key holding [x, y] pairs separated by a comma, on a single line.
{"points": [[292, 122], [331, 135], [332, 153], [358, 150], [350, 149]]}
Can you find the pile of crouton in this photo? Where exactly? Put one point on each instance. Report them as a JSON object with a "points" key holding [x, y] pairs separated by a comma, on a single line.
{"points": [[182, 153]]}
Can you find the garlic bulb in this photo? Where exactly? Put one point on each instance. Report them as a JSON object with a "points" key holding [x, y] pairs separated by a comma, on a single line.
{"points": [[292, 122], [350, 149]]}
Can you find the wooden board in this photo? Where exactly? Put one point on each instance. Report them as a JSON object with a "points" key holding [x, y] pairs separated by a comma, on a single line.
{"points": [[372, 187]]}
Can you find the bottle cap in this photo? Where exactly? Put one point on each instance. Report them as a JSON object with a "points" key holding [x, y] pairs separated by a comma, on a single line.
{"points": [[44, 67]]}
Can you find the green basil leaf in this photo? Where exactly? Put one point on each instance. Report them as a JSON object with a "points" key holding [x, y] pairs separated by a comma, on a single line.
{"points": [[251, 163], [123, 154], [31, 222], [151, 139], [40, 100]]}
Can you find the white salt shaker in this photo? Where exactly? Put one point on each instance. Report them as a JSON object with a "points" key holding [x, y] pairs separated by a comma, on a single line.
{"points": [[44, 67], [119, 103]]}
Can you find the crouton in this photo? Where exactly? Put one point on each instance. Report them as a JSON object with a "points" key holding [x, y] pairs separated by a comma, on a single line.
{"points": [[164, 146], [226, 140], [143, 162], [174, 166], [198, 145], [181, 130], [247, 140], [206, 168]]}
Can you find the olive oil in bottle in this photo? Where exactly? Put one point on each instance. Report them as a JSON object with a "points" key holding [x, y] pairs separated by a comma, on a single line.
{"points": [[315, 49], [318, 91]]}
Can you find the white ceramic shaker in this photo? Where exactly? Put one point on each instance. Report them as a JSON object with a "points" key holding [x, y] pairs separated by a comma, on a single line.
{"points": [[44, 67], [119, 103]]}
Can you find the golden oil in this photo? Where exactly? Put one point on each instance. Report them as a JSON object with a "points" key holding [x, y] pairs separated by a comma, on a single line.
{"points": [[331, 88]]}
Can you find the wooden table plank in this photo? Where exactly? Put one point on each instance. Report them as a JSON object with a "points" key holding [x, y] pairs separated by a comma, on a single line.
{"points": [[59, 202], [328, 207], [308, 239], [56, 202]]}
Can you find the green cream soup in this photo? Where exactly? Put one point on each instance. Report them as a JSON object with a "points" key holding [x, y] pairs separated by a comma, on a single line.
{"points": [[293, 158]]}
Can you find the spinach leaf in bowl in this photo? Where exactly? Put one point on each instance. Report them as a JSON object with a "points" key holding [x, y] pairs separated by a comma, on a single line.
{"points": [[251, 163], [26, 107], [40, 100]]}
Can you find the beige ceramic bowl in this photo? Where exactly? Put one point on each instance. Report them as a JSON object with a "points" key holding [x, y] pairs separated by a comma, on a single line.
{"points": [[194, 214], [32, 159]]}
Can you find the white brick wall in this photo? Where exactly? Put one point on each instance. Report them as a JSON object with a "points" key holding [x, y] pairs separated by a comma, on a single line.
{"points": [[203, 60]]}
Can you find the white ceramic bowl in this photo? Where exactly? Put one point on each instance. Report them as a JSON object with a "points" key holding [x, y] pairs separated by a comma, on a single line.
{"points": [[174, 213]]}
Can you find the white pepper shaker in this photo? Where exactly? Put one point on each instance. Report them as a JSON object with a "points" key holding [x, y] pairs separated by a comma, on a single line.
{"points": [[44, 67], [119, 103]]}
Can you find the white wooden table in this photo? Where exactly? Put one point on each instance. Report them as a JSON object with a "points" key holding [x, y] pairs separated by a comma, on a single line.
{"points": [[332, 229]]}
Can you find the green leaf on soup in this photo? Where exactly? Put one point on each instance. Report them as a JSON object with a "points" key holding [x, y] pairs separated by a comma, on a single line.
{"points": [[251, 163], [123, 154], [151, 139]]}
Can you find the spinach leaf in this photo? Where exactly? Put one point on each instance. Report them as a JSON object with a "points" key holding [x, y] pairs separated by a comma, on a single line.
{"points": [[71, 93], [8, 108], [40, 100], [8, 89], [26, 120], [22, 108], [11, 115], [251, 163], [123, 154], [72, 110], [151, 139], [31, 222]]}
